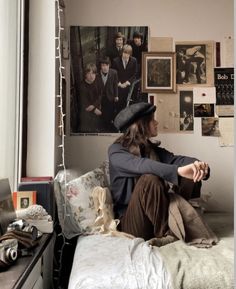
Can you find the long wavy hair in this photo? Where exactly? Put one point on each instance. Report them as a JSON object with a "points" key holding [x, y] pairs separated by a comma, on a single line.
{"points": [[136, 137]]}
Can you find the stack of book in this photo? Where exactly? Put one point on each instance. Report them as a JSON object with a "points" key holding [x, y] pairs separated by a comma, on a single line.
{"points": [[43, 186]]}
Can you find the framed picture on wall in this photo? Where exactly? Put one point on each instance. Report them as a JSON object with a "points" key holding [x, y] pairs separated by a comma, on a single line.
{"points": [[159, 72], [195, 63]]}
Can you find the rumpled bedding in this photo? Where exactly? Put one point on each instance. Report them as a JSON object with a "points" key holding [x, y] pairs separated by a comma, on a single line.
{"points": [[201, 268], [109, 262]]}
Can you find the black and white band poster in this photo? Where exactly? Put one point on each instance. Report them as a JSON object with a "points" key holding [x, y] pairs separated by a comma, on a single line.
{"points": [[224, 84]]}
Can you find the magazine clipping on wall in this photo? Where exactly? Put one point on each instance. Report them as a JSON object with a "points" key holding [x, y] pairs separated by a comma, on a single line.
{"points": [[194, 63], [186, 110], [224, 84], [105, 75]]}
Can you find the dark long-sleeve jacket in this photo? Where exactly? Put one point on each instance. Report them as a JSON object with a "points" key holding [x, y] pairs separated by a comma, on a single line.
{"points": [[90, 95], [125, 74], [110, 89], [125, 167]]}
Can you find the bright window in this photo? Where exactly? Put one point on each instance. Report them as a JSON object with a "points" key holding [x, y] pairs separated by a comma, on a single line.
{"points": [[10, 88]]}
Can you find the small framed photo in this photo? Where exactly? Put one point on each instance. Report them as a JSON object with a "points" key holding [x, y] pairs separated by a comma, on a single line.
{"points": [[158, 72], [24, 199]]}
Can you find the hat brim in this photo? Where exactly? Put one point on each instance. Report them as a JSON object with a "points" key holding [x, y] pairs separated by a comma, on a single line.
{"points": [[137, 116]]}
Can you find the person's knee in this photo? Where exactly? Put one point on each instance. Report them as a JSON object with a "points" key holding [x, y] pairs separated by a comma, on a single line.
{"points": [[150, 183], [150, 178]]}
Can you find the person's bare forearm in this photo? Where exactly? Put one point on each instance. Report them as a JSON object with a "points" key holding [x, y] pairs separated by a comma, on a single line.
{"points": [[196, 171]]}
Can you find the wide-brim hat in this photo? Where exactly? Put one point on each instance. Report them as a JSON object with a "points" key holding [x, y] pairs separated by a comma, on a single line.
{"points": [[132, 113]]}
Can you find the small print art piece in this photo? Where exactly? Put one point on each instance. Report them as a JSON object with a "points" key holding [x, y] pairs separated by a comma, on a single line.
{"points": [[224, 83], [204, 94], [158, 72], [24, 199], [186, 110], [204, 110], [194, 63], [210, 126]]}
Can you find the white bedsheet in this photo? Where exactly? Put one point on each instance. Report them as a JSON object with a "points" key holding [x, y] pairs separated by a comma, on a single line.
{"points": [[105, 262]]}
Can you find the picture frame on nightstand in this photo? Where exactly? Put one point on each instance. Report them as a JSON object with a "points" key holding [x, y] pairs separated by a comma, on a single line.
{"points": [[23, 199]]}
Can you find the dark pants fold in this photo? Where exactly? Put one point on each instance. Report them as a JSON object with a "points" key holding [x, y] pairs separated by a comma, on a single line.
{"points": [[147, 213]]}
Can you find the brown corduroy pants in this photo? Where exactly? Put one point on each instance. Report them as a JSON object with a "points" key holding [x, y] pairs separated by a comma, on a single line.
{"points": [[147, 213]]}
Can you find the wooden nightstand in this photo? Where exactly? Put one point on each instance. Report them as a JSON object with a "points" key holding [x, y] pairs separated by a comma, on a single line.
{"points": [[31, 272]]}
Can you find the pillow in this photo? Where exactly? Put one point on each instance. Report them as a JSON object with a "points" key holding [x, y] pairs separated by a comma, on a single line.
{"points": [[105, 168], [77, 213], [69, 226], [80, 199]]}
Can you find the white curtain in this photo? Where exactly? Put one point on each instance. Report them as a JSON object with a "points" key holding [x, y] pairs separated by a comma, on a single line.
{"points": [[10, 58]]}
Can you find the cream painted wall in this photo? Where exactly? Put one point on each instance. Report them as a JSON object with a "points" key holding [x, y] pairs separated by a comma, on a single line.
{"points": [[182, 20], [41, 89]]}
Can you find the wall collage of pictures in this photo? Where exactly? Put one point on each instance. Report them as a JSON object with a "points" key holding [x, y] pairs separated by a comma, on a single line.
{"points": [[111, 67]]}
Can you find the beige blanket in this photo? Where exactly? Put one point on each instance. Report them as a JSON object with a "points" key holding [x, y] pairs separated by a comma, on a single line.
{"points": [[190, 267], [201, 268]]}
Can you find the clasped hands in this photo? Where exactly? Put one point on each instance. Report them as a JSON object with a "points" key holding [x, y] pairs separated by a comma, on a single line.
{"points": [[195, 171], [92, 108]]}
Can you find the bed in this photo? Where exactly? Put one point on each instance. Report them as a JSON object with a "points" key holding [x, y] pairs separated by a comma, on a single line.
{"points": [[103, 261]]}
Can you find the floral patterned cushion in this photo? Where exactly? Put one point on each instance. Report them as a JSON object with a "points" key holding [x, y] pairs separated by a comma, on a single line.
{"points": [[105, 168], [79, 197]]}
